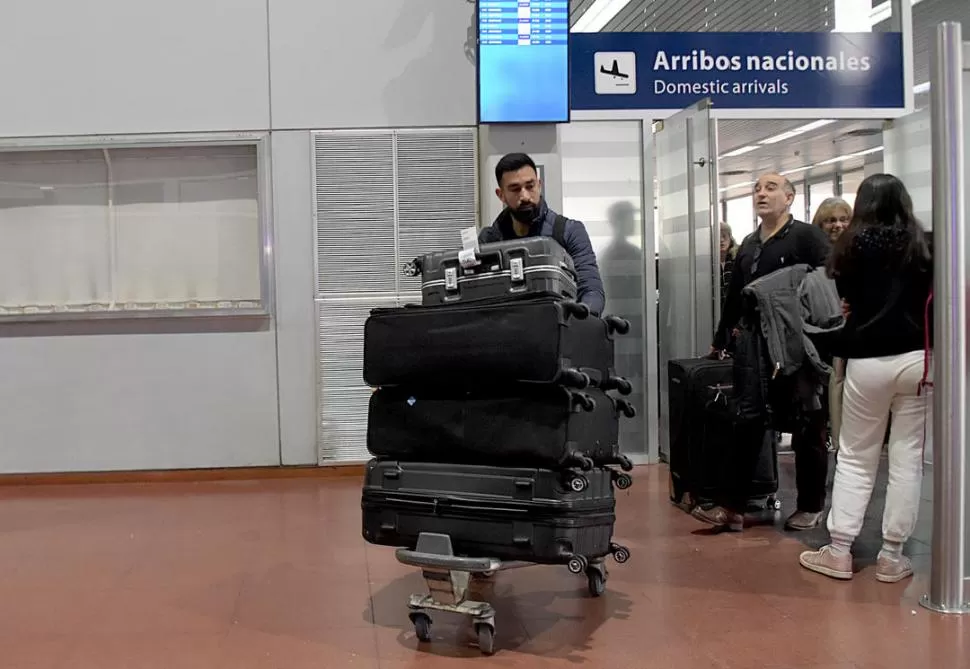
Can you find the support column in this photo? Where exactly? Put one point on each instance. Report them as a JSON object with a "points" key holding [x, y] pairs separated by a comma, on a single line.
{"points": [[947, 578]]}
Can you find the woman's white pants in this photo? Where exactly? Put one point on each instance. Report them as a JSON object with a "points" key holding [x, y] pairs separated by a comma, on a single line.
{"points": [[873, 388]]}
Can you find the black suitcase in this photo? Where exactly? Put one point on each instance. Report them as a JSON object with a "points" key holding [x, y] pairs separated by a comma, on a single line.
{"points": [[506, 513], [530, 338], [523, 426], [702, 421], [527, 265]]}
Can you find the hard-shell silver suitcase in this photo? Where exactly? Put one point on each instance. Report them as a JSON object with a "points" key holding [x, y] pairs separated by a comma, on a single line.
{"points": [[526, 265]]}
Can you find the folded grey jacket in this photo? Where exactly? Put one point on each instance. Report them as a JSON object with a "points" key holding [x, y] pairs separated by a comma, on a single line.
{"points": [[794, 304]]}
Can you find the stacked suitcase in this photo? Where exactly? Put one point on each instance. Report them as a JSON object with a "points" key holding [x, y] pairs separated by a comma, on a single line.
{"points": [[493, 419]]}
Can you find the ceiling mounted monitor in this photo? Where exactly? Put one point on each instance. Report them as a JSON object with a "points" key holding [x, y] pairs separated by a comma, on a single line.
{"points": [[523, 61]]}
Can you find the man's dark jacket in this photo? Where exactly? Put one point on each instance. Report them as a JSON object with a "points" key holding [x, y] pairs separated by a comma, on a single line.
{"points": [[575, 240]]}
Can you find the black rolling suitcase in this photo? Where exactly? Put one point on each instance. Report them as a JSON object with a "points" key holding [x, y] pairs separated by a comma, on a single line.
{"points": [[689, 386], [527, 425], [529, 338], [508, 513], [702, 421], [526, 265]]}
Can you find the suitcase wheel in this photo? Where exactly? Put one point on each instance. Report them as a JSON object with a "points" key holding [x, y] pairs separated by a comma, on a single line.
{"points": [[623, 481], [620, 553], [422, 626], [574, 378], [586, 402], [624, 386], [596, 582], [626, 408], [578, 483], [773, 504], [412, 268], [577, 310], [577, 564], [486, 638], [626, 464], [618, 325], [582, 462]]}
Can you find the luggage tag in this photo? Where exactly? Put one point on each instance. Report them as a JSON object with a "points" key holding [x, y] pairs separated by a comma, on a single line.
{"points": [[468, 256]]}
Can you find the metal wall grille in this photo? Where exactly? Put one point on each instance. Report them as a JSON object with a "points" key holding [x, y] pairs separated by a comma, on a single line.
{"points": [[381, 198]]}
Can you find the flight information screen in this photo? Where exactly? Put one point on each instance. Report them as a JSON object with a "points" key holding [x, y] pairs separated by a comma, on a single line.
{"points": [[523, 61]]}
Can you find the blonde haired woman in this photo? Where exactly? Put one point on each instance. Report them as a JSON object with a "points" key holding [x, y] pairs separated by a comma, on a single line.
{"points": [[833, 216]]}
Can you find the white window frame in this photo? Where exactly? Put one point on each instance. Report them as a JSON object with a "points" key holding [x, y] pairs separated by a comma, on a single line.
{"points": [[259, 140]]}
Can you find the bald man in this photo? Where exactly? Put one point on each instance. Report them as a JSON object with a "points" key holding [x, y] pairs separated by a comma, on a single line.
{"points": [[780, 241]]}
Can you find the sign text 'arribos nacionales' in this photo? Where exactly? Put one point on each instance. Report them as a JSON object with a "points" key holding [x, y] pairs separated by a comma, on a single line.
{"points": [[699, 60], [737, 70]]}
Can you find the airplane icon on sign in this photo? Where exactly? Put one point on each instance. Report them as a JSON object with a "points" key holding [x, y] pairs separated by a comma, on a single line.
{"points": [[614, 71]]}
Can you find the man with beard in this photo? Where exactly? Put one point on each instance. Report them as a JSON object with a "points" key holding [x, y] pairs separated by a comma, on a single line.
{"points": [[526, 214]]}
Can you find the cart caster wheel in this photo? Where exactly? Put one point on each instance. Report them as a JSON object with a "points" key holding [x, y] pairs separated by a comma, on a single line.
{"points": [[422, 626], [621, 554], [624, 481], [486, 638], [578, 483], [596, 582], [577, 565]]}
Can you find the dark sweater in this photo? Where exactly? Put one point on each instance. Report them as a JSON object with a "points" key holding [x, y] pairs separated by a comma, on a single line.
{"points": [[887, 299]]}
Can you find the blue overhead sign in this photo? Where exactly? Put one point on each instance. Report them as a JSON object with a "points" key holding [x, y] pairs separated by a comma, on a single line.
{"points": [[616, 71]]}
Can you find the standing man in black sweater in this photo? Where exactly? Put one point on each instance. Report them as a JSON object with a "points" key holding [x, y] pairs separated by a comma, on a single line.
{"points": [[780, 241]]}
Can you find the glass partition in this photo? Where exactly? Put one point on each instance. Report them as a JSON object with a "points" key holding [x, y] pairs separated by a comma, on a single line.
{"points": [[850, 184], [798, 208], [602, 185], [907, 154], [686, 155], [818, 192], [740, 216]]}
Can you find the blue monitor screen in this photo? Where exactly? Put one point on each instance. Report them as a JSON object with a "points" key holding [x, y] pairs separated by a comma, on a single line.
{"points": [[523, 61]]}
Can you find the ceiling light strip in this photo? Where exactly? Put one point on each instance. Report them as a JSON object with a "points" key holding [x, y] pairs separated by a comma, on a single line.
{"points": [[597, 15], [795, 132], [739, 152], [805, 168], [884, 12]]}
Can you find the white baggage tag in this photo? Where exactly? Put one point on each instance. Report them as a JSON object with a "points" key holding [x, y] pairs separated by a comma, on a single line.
{"points": [[467, 258], [469, 238]]}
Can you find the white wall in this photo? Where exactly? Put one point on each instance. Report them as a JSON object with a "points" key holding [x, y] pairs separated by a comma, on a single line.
{"points": [[131, 66], [296, 324], [134, 400], [372, 63], [137, 401]]}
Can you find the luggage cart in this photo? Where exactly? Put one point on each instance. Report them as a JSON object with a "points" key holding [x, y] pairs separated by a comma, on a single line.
{"points": [[450, 578]]}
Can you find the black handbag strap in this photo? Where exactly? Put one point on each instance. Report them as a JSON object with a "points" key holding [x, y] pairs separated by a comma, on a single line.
{"points": [[559, 230]]}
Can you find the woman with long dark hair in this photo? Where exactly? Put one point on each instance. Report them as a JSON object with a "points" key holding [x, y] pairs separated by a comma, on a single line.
{"points": [[883, 268]]}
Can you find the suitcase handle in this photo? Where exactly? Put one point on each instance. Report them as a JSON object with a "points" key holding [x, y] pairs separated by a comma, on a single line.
{"points": [[523, 484]]}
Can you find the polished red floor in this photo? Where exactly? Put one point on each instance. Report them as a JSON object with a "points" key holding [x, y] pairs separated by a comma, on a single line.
{"points": [[274, 575]]}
